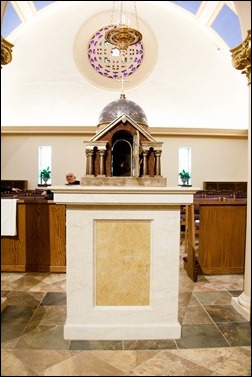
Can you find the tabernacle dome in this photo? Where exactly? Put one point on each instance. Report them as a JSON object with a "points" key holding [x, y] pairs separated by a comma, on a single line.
{"points": [[122, 106]]}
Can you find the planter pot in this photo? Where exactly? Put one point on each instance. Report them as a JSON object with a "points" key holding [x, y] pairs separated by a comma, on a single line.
{"points": [[184, 181]]}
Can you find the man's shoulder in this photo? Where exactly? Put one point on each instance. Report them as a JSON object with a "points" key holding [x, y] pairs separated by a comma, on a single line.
{"points": [[73, 183]]}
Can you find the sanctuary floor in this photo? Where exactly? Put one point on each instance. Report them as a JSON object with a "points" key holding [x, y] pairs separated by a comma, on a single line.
{"points": [[215, 341]]}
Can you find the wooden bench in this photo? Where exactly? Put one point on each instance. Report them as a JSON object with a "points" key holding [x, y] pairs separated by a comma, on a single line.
{"points": [[222, 235]]}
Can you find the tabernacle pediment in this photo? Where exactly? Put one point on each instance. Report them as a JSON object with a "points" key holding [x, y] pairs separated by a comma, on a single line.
{"points": [[123, 118]]}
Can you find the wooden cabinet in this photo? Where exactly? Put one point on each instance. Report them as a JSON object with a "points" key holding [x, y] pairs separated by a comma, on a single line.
{"points": [[222, 236], [40, 244], [225, 186]]}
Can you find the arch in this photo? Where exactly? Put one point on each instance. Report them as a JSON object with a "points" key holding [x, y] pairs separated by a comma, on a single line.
{"points": [[122, 154]]}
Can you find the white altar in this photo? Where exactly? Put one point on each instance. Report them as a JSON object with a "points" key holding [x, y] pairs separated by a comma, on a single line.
{"points": [[122, 261]]}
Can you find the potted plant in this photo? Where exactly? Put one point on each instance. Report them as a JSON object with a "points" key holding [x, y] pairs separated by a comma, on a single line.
{"points": [[185, 176], [45, 174]]}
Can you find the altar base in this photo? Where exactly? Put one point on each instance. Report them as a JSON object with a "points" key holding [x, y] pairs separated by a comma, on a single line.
{"points": [[122, 261]]}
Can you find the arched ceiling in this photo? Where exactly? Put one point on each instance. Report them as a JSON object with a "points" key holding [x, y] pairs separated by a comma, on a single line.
{"points": [[217, 17], [186, 78]]}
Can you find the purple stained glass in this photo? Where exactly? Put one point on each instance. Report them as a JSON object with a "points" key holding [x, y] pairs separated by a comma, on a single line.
{"points": [[104, 56]]}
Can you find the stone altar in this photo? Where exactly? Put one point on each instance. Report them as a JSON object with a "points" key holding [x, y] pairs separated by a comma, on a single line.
{"points": [[122, 261]]}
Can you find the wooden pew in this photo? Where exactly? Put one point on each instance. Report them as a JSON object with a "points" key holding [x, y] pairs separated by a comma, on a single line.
{"points": [[222, 234]]}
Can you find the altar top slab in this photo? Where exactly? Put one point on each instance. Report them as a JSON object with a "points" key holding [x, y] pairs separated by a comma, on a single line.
{"points": [[113, 195]]}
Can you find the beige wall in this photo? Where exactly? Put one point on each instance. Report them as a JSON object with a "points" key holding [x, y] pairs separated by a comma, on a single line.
{"points": [[212, 159], [219, 158]]}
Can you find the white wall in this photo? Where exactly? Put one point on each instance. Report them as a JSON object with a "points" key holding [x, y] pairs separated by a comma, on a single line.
{"points": [[192, 84], [213, 158]]}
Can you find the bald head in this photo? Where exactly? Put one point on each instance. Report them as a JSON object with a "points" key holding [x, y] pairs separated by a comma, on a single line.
{"points": [[70, 177]]}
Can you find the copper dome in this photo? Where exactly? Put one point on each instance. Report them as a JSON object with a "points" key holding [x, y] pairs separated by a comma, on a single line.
{"points": [[122, 106]]}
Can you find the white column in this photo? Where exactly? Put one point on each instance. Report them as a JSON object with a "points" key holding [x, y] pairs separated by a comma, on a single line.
{"points": [[241, 61]]}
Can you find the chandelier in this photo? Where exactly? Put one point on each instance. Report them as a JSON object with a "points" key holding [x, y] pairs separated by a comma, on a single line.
{"points": [[122, 35]]}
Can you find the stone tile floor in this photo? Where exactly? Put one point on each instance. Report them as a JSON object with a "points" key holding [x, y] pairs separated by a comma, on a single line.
{"points": [[215, 341]]}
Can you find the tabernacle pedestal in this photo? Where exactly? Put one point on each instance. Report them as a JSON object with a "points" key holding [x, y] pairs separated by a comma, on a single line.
{"points": [[122, 261]]}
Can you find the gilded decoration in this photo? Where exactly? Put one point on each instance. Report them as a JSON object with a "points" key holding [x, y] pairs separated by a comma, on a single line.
{"points": [[241, 56], [6, 52]]}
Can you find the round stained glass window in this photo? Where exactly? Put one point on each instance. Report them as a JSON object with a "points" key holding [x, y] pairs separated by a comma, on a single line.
{"points": [[106, 59]]}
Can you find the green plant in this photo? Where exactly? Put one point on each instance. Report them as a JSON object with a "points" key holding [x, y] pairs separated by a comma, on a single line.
{"points": [[45, 173], [184, 175]]}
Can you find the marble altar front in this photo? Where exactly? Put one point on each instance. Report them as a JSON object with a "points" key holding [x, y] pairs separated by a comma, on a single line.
{"points": [[122, 261]]}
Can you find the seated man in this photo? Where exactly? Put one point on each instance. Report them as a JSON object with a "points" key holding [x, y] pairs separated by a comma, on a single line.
{"points": [[71, 179]]}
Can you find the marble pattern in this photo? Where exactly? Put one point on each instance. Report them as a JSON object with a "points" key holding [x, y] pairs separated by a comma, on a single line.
{"points": [[122, 252], [215, 340]]}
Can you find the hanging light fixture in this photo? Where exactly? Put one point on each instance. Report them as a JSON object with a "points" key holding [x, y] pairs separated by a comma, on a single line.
{"points": [[122, 35]]}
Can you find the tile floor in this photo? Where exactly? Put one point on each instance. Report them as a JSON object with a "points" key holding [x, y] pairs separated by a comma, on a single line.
{"points": [[215, 341]]}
